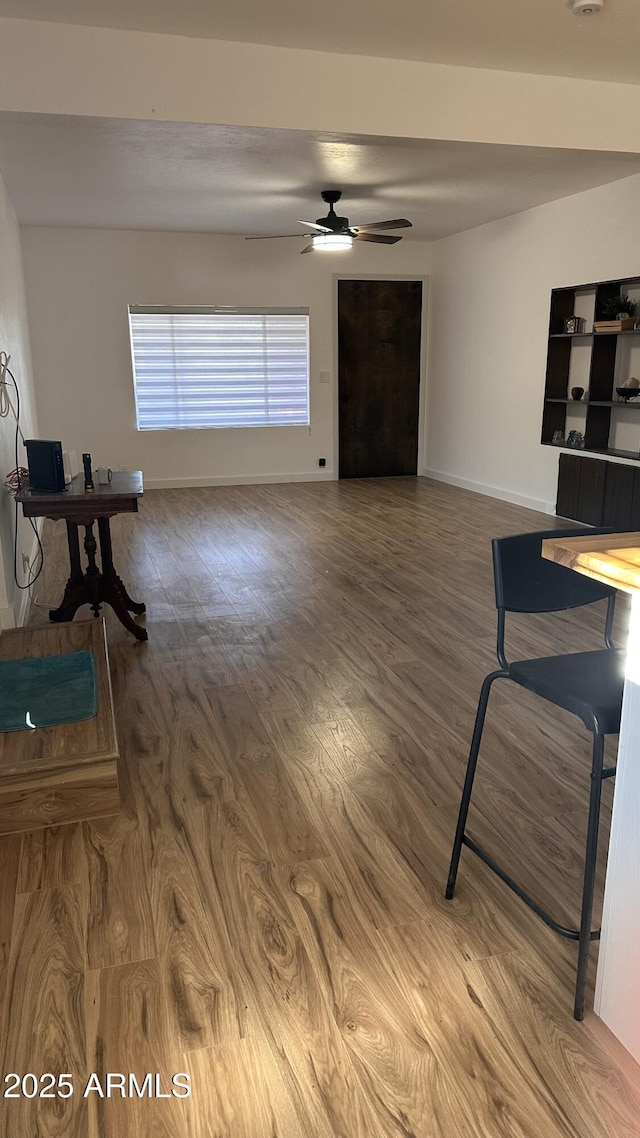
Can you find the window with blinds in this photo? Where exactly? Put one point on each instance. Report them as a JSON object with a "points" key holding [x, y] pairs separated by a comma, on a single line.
{"points": [[220, 367]]}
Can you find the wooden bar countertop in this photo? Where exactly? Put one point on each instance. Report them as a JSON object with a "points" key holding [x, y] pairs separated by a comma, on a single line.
{"points": [[612, 558]]}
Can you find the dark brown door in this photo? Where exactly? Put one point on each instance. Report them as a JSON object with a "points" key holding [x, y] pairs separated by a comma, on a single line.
{"points": [[378, 377]]}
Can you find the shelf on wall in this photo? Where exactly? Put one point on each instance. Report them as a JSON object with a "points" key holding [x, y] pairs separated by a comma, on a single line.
{"points": [[612, 403], [586, 335], [611, 452], [593, 402]]}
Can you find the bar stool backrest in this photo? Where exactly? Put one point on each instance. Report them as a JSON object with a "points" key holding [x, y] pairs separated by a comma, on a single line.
{"points": [[525, 581]]}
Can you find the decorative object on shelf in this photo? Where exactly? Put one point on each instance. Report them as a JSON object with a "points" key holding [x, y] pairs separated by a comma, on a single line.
{"points": [[616, 315], [629, 390], [558, 438], [575, 439], [573, 325], [617, 308], [577, 393], [624, 324]]}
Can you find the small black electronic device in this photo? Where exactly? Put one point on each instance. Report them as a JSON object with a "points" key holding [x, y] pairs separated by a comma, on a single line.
{"points": [[88, 476], [46, 468]]}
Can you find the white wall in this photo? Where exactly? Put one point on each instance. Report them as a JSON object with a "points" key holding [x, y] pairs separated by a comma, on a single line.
{"points": [[487, 338], [73, 70], [79, 283], [14, 340], [488, 328], [617, 999]]}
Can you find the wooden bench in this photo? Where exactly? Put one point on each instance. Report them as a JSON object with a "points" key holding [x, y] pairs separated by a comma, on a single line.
{"points": [[64, 773]]}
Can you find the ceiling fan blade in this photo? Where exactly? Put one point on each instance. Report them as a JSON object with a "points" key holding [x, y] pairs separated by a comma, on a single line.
{"points": [[396, 223], [275, 236], [314, 225], [307, 248], [379, 238]]}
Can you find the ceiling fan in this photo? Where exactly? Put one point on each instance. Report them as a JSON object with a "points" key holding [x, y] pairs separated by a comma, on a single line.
{"points": [[333, 232]]}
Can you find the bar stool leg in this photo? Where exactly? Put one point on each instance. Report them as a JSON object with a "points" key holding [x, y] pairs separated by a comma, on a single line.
{"points": [[468, 782], [584, 942]]}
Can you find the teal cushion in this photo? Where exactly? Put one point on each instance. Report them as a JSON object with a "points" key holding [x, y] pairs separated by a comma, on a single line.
{"points": [[47, 690]]}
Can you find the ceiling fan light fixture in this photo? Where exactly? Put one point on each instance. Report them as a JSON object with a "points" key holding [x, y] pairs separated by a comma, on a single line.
{"points": [[332, 242], [333, 234]]}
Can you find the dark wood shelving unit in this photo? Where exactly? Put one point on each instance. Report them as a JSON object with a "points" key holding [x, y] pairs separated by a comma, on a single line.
{"points": [[591, 489], [600, 405]]}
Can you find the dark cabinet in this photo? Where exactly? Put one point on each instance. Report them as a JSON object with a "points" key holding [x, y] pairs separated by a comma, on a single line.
{"points": [[569, 486], [598, 493], [581, 489], [618, 499]]}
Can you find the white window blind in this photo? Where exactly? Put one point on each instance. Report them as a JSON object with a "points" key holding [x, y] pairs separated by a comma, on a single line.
{"points": [[219, 367]]}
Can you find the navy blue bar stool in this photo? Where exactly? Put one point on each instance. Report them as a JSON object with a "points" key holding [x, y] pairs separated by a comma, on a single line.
{"points": [[588, 684]]}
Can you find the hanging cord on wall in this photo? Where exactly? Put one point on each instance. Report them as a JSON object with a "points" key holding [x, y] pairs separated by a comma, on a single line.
{"points": [[18, 477], [5, 399]]}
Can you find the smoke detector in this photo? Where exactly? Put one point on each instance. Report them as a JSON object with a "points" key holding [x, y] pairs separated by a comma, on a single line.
{"points": [[586, 7]]}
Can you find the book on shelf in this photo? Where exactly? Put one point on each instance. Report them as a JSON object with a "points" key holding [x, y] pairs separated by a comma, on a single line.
{"points": [[626, 325]]}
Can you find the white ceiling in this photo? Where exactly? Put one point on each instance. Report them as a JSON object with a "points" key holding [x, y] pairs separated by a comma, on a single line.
{"points": [[539, 36], [153, 175], [77, 171]]}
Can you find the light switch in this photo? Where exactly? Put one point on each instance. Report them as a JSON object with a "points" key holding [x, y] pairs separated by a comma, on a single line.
{"points": [[325, 377]]}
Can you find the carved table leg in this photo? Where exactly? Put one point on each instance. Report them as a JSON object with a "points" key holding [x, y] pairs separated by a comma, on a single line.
{"points": [[108, 570], [113, 591], [75, 590], [92, 573], [93, 586]]}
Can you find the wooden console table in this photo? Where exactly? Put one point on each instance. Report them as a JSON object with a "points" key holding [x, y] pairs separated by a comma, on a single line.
{"points": [[79, 507], [65, 773]]}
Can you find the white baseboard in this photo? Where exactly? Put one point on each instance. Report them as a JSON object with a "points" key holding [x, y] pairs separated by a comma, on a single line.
{"points": [[492, 491], [238, 480], [20, 609], [7, 618]]}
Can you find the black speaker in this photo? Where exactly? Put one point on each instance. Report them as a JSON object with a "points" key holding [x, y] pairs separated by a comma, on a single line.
{"points": [[46, 468]]}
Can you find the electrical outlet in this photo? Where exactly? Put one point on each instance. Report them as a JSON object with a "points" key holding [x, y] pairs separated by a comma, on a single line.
{"points": [[325, 377], [26, 564], [322, 462]]}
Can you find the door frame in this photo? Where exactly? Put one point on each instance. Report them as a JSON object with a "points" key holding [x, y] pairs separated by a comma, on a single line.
{"points": [[422, 405]]}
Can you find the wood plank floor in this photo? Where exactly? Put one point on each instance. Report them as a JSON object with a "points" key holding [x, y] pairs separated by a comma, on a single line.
{"points": [[267, 913]]}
